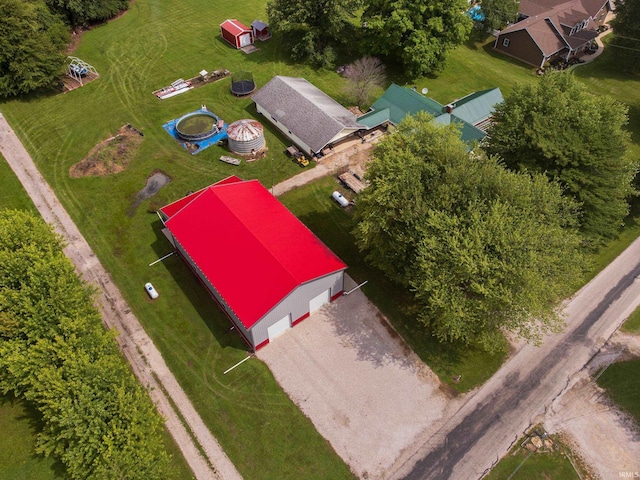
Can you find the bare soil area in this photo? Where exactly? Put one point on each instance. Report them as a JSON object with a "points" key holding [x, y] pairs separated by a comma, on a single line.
{"points": [[606, 438], [111, 155]]}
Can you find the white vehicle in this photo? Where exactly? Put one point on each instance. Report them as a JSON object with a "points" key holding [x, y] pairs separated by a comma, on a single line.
{"points": [[153, 293]]}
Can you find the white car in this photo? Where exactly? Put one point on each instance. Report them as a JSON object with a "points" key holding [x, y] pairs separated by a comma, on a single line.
{"points": [[153, 293]]}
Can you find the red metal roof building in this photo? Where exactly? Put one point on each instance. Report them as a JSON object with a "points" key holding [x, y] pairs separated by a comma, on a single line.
{"points": [[267, 270], [236, 33]]}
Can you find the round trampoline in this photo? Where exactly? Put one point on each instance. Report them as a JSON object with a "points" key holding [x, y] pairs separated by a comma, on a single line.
{"points": [[242, 84], [198, 125]]}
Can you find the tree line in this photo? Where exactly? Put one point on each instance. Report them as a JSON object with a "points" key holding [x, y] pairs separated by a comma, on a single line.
{"points": [[490, 240], [34, 35], [414, 35], [55, 354]]}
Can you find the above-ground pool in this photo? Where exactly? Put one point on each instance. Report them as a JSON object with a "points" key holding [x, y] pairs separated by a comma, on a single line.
{"points": [[198, 125]]}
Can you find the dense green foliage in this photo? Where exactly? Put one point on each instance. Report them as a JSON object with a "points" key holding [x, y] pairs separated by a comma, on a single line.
{"points": [[54, 353], [558, 128], [87, 11], [627, 35], [313, 204], [483, 248], [31, 44], [33, 36], [498, 13], [312, 28], [416, 33]]}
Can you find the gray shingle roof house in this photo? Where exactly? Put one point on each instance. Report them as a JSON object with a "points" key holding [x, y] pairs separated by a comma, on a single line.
{"points": [[550, 29], [304, 114]]}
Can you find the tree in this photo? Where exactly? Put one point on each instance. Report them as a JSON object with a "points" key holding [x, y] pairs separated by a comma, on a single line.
{"points": [[312, 28], [483, 248], [626, 26], [498, 13], [31, 42], [557, 127], [87, 11], [363, 76], [54, 353], [417, 33]]}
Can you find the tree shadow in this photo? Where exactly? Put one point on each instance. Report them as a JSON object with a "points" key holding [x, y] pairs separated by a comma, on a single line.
{"points": [[32, 417]]}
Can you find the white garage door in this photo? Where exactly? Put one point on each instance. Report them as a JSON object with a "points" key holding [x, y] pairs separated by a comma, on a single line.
{"points": [[279, 327], [245, 40], [319, 301]]}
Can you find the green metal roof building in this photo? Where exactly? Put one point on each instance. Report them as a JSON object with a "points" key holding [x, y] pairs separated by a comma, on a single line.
{"points": [[471, 113]]}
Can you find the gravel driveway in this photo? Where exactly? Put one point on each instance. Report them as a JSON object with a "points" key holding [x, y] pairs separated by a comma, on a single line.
{"points": [[364, 390]]}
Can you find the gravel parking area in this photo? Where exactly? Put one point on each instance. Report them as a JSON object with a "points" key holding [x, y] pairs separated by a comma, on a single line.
{"points": [[365, 391]]}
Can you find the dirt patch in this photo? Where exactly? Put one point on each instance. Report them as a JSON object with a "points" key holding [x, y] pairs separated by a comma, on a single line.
{"points": [[109, 156]]}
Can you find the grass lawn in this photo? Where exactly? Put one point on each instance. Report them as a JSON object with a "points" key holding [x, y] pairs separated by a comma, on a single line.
{"points": [[632, 324], [18, 461], [622, 382], [12, 195], [544, 465], [475, 66], [154, 43]]}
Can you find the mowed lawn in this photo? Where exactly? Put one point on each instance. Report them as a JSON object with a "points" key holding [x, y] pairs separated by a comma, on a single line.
{"points": [[521, 464], [622, 382], [153, 44]]}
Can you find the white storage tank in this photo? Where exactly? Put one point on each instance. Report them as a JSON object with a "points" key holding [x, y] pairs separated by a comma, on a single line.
{"points": [[245, 136], [338, 197]]}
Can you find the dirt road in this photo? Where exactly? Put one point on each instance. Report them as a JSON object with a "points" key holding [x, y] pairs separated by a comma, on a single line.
{"points": [[145, 359], [515, 397]]}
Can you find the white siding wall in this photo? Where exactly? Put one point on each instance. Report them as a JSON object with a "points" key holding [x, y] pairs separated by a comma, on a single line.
{"points": [[297, 303]]}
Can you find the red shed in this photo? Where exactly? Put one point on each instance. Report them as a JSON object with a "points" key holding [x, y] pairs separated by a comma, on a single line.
{"points": [[236, 33]]}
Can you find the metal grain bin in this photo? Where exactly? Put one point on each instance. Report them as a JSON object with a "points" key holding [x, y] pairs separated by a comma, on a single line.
{"points": [[245, 136]]}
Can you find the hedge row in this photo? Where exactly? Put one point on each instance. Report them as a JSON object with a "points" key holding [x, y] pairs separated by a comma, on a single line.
{"points": [[54, 352]]}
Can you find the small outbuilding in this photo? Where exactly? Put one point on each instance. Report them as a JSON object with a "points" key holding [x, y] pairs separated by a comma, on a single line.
{"points": [[260, 30], [245, 136], [264, 267], [236, 33]]}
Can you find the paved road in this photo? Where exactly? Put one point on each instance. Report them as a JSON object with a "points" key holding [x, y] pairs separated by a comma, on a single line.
{"points": [[137, 347], [491, 420]]}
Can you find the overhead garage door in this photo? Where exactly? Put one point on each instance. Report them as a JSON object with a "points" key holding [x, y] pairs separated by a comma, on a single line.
{"points": [[319, 301], [279, 327], [245, 39]]}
